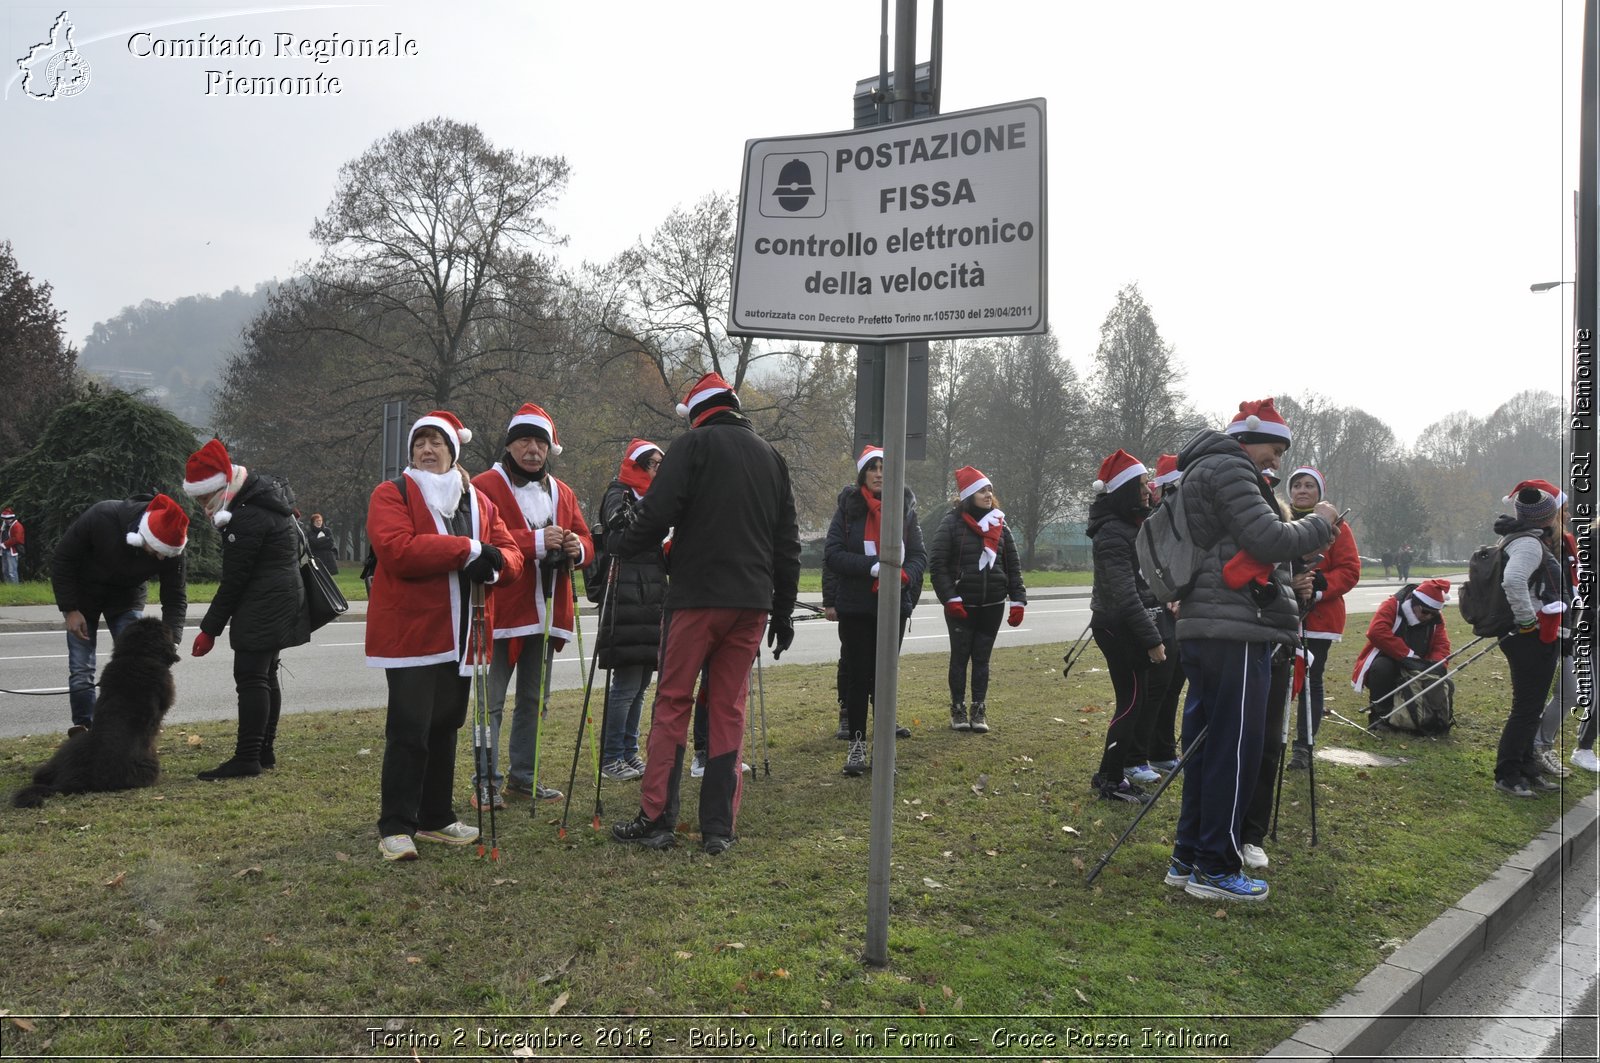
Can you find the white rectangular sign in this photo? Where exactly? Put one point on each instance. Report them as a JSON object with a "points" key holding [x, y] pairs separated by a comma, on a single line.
{"points": [[916, 230]]}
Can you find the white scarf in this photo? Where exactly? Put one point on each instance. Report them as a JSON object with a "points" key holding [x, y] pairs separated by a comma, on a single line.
{"points": [[440, 490], [216, 505], [533, 498]]}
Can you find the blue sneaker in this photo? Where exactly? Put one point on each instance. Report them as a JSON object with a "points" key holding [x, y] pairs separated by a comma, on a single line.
{"points": [[1234, 886], [1164, 766], [1178, 873], [1142, 774]]}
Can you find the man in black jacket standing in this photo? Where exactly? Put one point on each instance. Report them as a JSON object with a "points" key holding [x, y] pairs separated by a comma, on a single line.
{"points": [[734, 560], [100, 568]]}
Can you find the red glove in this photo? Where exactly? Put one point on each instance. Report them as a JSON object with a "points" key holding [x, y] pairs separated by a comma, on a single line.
{"points": [[1015, 617], [202, 644], [558, 644], [1242, 569], [905, 577], [955, 610]]}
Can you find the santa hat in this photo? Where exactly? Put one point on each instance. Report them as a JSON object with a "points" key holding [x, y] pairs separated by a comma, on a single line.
{"points": [[638, 448], [164, 527], [1536, 504], [970, 481], [1117, 470], [209, 469], [7, 513], [455, 436], [868, 454], [1259, 422], [1433, 593], [1306, 470], [1539, 485], [709, 393], [1167, 470], [531, 420]]}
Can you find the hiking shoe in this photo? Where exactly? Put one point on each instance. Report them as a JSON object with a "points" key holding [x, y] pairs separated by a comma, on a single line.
{"points": [[1234, 886], [1301, 759], [1178, 873], [480, 799], [517, 789], [1253, 855], [233, 768], [1165, 767], [979, 718], [547, 793], [1121, 790], [958, 716], [1540, 785], [1550, 764], [1586, 759], [77, 729], [855, 762], [697, 767], [1382, 727], [902, 732], [642, 830], [619, 770], [635, 763], [1513, 788], [457, 833], [1141, 774], [716, 844], [397, 847]]}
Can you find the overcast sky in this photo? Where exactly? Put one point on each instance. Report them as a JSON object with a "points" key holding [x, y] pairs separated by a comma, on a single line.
{"points": [[1349, 199]]}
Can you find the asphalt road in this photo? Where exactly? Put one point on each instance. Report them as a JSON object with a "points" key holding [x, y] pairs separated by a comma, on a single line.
{"points": [[331, 672]]}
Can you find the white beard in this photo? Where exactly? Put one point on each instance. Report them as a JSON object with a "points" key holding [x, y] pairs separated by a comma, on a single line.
{"points": [[441, 490]]}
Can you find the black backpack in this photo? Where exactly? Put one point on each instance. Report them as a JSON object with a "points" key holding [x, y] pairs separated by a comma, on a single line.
{"points": [[1481, 601], [1432, 704], [370, 564], [595, 572]]}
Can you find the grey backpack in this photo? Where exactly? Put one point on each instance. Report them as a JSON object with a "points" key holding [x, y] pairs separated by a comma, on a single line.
{"points": [[1169, 555]]}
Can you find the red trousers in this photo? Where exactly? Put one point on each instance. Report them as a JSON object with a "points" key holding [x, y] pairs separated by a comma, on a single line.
{"points": [[723, 644]]}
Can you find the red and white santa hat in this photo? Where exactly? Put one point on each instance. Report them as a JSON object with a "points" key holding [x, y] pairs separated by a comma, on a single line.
{"points": [[531, 420], [164, 527], [970, 481], [209, 469], [1433, 593], [455, 436], [1306, 470], [709, 393], [7, 513], [1117, 470], [1259, 422], [638, 448], [1167, 470], [1538, 485], [868, 454]]}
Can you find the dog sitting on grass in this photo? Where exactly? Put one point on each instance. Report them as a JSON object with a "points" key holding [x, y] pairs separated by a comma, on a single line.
{"points": [[119, 751]]}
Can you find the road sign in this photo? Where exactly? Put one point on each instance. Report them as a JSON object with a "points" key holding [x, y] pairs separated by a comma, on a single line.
{"points": [[926, 229]]}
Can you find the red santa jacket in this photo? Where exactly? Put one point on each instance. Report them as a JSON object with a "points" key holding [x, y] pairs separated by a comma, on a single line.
{"points": [[1384, 637], [520, 607], [1341, 567], [417, 613], [15, 537]]}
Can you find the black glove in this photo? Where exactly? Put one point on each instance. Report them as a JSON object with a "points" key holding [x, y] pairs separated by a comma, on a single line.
{"points": [[780, 631], [482, 568]]}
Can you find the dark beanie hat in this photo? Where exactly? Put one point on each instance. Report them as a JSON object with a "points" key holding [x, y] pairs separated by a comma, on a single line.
{"points": [[1534, 504]]}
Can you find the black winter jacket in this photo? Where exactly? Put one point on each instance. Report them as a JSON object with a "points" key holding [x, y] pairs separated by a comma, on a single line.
{"points": [[953, 565], [1230, 509], [630, 625], [726, 493], [1121, 601], [94, 571], [324, 546], [261, 599], [846, 555]]}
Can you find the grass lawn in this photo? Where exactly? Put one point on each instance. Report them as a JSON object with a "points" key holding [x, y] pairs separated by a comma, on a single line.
{"points": [[259, 913]]}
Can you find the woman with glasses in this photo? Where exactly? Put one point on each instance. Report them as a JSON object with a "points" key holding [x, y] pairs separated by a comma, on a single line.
{"points": [[1406, 635]]}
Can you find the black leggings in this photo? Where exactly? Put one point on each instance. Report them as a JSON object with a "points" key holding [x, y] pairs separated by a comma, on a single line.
{"points": [[858, 649], [255, 678], [1130, 671], [1317, 651], [972, 640]]}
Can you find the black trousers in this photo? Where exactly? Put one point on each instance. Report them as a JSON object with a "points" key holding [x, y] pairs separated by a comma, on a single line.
{"points": [[1533, 666], [972, 642], [427, 706], [255, 679], [1317, 651], [858, 649]]}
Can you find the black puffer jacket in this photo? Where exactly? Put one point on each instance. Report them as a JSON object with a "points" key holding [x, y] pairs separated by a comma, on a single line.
{"points": [[630, 625], [953, 565], [324, 546], [261, 599], [846, 555], [1231, 509], [1121, 601], [95, 572]]}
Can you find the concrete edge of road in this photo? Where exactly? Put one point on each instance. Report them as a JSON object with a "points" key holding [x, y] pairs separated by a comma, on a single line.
{"points": [[1362, 1023]]}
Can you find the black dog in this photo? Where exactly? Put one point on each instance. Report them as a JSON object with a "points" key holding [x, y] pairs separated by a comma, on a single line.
{"points": [[119, 751]]}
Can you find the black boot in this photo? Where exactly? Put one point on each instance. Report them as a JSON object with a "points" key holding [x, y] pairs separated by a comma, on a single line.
{"points": [[246, 760], [958, 716], [980, 722], [232, 769]]}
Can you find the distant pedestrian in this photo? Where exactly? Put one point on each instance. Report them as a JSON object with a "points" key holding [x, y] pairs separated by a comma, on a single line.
{"points": [[13, 538], [100, 568], [1403, 562], [324, 544]]}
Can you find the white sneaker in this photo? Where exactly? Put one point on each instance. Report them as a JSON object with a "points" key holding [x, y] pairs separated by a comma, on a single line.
{"points": [[1141, 774], [697, 767], [1551, 760], [397, 847], [1586, 759], [1253, 855], [457, 833]]}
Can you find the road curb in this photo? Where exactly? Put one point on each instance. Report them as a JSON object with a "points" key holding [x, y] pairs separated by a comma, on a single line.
{"points": [[1362, 1023]]}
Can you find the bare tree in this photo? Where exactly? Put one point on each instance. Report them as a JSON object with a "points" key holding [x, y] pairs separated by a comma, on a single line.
{"points": [[1133, 399]]}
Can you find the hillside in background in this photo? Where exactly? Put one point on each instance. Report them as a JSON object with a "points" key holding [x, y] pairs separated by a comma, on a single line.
{"points": [[176, 351]]}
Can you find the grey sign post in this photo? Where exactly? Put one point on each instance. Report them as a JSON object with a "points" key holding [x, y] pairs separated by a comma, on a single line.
{"points": [[394, 455]]}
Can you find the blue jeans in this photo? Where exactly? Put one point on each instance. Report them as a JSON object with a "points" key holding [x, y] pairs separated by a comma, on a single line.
{"points": [[81, 663], [624, 704], [8, 566], [524, 711]]}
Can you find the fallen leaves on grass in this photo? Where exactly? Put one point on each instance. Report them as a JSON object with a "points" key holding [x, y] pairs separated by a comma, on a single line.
{"points": [[195, 740], [22, 1024], [729, 945], [115, 880], [1071, 829], [932, 885], [1080, 995], [246, 872], [559, 1003]]}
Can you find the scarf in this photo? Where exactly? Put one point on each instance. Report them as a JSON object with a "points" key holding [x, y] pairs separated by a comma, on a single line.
{"points": [[633, 478], [874, 529], [989, 529], [217, 505], [440, 490]]}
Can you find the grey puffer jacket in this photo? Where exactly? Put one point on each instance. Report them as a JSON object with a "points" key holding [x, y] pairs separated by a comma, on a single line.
{"points": [[1231, 509]]}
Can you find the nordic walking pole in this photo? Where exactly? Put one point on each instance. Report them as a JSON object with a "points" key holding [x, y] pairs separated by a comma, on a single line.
{"points": [[761, 688], [1074, 652], [1183, 758], [594, 752], [1311, 741], [588, 691], [1277, 799], [482, 746], [1448, 675], [544, 690]]}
